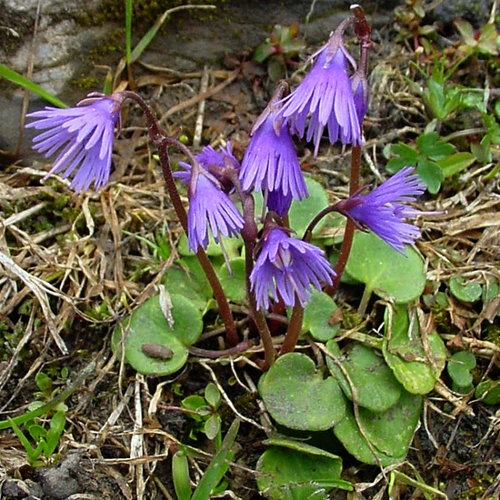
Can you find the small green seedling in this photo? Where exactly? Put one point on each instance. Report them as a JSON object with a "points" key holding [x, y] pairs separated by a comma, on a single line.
{"points": [[459, 369], [206, 413]]}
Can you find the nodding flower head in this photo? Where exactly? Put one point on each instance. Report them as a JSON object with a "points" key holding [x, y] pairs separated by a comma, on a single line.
{"points": [[82, 137], [216, 162], [270, 162], [288, 269], [209, 208], [384, 211], [325, 97]]}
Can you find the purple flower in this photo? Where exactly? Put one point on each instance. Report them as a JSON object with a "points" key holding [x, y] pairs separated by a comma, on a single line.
{"points": [[278, 202], [360, 92], [326, 97], [288, 268], [83, 138], [270, 162], [215, 162], [210, 157], [383, 210], [209, 207]]}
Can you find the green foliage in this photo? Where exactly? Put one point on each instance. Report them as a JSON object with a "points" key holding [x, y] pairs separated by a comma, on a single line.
{"points": [[459, 369], [301, 212], [425, 157], [385, 271], [279, 50], [43, 435], [416, 362], [46, 439], [206, 413], [157, 335], [232, 279], [466, 292], [375, 386], [388, 433], [296, 470], [187, 278], [486, 41], [318, 315], [22, 81], [284, 386], [210, 483], [488, 391]]}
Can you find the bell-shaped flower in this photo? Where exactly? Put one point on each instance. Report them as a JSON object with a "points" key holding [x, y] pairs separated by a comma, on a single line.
{"points": [[384, 210], [209, 208], [288, 269], [82, 137], [325, 97]]}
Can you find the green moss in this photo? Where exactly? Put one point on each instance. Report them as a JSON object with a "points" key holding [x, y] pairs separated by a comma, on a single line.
{"points": [[86, 82]]}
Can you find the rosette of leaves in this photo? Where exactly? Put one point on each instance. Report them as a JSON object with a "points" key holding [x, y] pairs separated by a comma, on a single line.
{"points": [[279, 50], [434, 159]]}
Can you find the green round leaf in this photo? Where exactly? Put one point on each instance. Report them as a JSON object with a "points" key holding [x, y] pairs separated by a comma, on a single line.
{"points": [[301, 212], [288, 474], [385, 271], [416, 368], [317, 317], [376, 387], [212, 426], [466, 292], [212, 395], [233, 283], [148, 325], [459, 367], [298, 397], [390, 433], [188, 279], [488, 391]]}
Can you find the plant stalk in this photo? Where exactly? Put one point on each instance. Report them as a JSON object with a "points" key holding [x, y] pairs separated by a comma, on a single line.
{"points": [[294, 329], [350, 226], [162, 141]]}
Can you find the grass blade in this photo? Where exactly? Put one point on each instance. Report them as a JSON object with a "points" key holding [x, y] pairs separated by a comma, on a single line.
{"points": [[151, 33], [128, 30], [218, 466], [22, 81]]}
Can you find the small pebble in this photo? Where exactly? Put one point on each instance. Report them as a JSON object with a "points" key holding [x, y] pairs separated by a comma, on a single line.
{"points": [[157, 351]]}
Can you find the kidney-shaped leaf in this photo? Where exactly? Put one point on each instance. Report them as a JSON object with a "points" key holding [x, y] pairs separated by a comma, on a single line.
{"points": [[298, 397], [376, 387], [152, 346], [390, 433], [416, 367], [385, 271], [285, 473]]}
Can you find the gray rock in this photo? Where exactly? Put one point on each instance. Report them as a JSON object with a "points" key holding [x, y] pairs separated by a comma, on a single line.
{"points": [[62, 50], [475, 11]]}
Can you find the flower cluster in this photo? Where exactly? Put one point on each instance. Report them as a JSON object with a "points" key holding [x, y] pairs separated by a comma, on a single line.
{"points": [[332, 98]]}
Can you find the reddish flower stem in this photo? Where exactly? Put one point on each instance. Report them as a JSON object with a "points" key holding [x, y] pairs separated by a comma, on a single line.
{"points": [[162, 141], [350, 226], [294, 329]]}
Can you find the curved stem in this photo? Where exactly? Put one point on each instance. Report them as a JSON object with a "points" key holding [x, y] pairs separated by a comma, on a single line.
{"points": [[162, 141], [257, 315], [294, 329], [310, 228], [207, 353], [350, 226], [249, 235]]}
